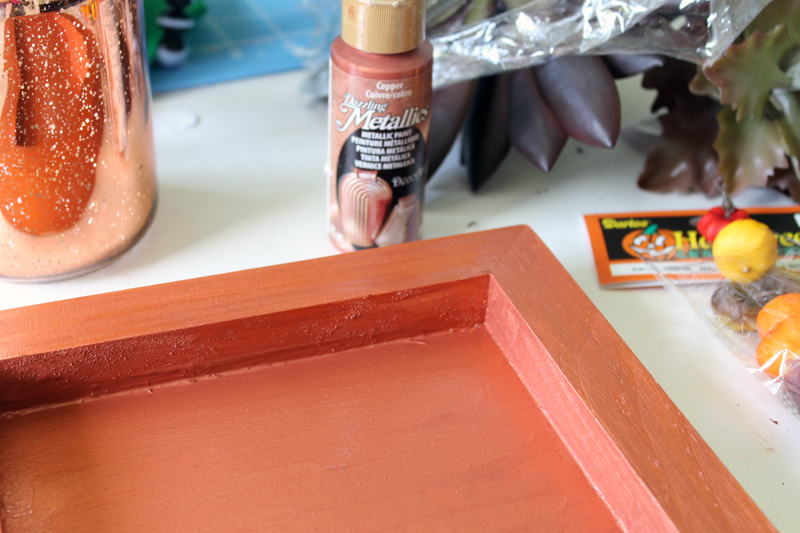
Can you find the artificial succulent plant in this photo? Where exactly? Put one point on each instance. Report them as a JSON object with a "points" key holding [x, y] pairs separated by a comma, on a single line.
{"points": [[571, 96]]}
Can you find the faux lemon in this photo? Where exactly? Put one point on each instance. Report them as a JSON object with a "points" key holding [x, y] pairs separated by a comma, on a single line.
{"points": [[744, 250]]}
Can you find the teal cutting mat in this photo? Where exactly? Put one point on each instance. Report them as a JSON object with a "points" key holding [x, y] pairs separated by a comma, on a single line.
{"points": [[243, 38]]}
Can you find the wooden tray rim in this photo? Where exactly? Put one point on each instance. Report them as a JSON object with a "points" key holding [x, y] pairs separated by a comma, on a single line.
{"points": [[646, 460]]}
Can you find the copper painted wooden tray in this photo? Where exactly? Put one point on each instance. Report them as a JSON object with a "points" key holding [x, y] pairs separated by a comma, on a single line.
{"points": [[458, 384]]}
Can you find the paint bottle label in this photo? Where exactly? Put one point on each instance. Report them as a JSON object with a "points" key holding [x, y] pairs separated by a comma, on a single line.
{"points": [[377, 163]]}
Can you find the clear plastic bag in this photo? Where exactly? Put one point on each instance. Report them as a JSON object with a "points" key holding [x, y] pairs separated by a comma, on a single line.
{"points": [[468, 45], [758, 318]]}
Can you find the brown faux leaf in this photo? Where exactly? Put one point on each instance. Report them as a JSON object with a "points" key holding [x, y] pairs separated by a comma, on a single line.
{"points": [[788, 107], [749, 150], [786, 180], [748, 72], [702, 86], [669, 80], [775, 13], [685, 159]]}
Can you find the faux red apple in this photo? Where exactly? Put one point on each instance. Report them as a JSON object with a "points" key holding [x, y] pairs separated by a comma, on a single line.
{"points": [[712, 222]]}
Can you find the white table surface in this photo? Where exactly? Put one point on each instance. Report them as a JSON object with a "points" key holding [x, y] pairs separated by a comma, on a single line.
{"points": [[244, 188]]}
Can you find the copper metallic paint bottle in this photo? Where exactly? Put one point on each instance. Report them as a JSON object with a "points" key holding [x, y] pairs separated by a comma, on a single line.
{"points": [[379, 107]]}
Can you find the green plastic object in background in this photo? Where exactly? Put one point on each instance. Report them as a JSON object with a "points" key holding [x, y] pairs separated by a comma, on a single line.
{"points": [[239, 39], [153, 32]]}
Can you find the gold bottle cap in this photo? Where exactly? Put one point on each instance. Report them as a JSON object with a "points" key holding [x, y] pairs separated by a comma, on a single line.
{"points": [[383, 26]]}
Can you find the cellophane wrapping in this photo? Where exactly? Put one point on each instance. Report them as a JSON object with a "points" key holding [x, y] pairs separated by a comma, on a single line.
{"points": [[468, 45], [735, 312], [474, 38]]}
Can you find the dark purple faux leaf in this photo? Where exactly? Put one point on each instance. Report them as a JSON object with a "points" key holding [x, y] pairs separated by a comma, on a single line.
{"points": [[534, 130], [449, 107], [485, 141], [583, 96]]}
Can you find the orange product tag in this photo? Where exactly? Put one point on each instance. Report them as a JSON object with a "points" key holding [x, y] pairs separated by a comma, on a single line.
{"points": [[670, 242]]}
